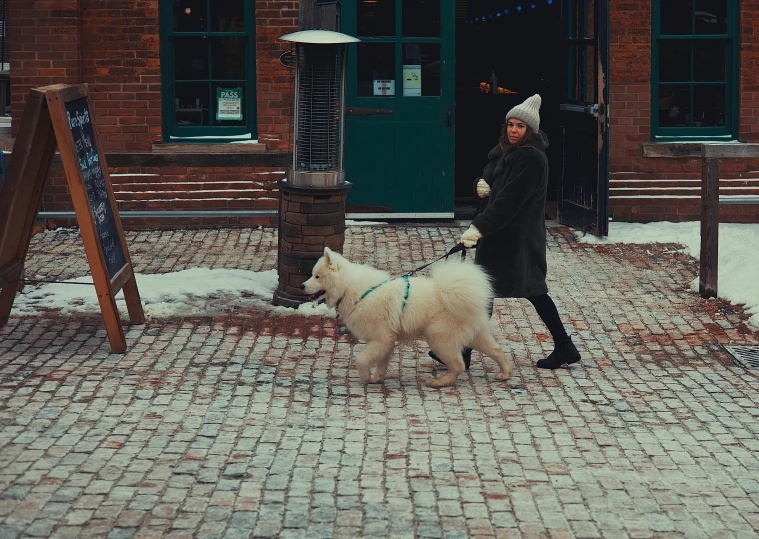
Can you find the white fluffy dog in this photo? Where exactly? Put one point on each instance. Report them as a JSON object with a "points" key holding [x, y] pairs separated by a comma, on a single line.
{"points": [[448, 310]]}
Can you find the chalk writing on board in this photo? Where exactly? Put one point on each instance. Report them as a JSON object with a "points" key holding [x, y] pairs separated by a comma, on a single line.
{"points": [[78, 114]]}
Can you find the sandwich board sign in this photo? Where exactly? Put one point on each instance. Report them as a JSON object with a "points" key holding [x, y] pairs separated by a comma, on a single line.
{"points": [[60, 116]]}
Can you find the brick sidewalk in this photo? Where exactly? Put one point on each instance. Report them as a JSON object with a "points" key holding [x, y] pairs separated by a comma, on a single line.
{"points": [[255, 424]]}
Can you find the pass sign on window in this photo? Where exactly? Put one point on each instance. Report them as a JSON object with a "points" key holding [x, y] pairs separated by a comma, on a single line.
{"points": [[229, 104]]}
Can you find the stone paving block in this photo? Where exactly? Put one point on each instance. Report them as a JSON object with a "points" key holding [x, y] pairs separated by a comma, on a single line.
{"points": [[251, 422]]}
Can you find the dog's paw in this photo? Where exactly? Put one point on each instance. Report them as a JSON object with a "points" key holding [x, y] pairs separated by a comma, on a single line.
{"points": [[376, 379], [503, 375], [442, 381]]}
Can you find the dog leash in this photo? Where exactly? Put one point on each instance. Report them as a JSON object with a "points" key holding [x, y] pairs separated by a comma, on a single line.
{"points": [[456, 248], [342, 330]]}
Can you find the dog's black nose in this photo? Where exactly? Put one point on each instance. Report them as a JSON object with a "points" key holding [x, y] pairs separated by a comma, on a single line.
{"points": [[303, 286]]}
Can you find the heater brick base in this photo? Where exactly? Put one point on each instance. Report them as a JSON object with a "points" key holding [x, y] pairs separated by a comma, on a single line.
{"points": [[311, 218]]}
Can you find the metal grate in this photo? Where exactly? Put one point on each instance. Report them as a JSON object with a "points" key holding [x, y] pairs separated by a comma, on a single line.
{"points": [[318, 121], [746, 356]]}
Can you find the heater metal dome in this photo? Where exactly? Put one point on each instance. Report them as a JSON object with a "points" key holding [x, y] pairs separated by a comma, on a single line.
{"points": [[319, 37]]}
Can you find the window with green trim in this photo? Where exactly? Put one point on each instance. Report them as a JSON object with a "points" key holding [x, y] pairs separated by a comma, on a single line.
{"points": [[694, 82], [208, 70]]}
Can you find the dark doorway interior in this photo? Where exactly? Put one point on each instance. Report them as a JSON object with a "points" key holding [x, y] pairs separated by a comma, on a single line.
{"points": [[522, 47]]}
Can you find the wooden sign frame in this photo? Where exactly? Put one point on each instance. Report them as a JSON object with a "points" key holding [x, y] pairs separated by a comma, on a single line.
{"points": [[60, 115]]}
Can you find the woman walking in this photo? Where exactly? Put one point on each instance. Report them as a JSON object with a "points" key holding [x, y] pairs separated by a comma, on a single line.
{"points": [[510, 231]]}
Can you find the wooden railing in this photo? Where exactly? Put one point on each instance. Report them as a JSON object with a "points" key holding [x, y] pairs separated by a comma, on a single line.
{"points": [[710, 155]]}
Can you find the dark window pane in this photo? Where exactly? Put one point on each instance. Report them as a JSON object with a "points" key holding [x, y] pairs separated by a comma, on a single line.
{"points": [[674, 61], [709, 61], [711, 16], [674, 105], [376, 17], [676, 17], [190, 16], [227, 16], [229, 104], [709, 105], [191, 58], [582, 83], [228, 57], [421, 69], [376, 69], [192, 104], [421, 18]]}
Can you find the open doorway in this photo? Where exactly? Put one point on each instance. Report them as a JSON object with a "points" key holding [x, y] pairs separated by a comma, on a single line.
{"points": [[517, 45]]}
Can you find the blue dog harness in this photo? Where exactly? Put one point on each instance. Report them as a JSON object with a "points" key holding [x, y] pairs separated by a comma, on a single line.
{"points": [[405, 295], [372, 289]]}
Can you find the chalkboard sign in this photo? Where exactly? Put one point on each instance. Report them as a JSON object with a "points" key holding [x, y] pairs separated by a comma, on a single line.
{"points": [[60, 116], [78, 116]]}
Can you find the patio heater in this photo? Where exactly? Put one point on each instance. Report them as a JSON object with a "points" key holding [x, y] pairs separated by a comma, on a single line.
{"points": [[312, 197]]}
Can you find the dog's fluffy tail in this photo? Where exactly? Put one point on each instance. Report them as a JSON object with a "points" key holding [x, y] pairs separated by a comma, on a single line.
{"points": [[465, 289]]}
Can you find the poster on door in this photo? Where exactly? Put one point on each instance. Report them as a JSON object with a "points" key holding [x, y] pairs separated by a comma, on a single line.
{"points": [[229, 104], [412, 80], [384, 87]]}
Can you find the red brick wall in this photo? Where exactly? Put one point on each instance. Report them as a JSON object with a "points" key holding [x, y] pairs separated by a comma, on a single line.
{"points": [[114, 47], [749, 85], [274, 82], [630, 103], [44, 47], [120, 61]]}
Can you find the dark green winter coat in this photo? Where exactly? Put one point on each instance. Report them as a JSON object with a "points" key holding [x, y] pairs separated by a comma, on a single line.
{"points": [[512, 223]]}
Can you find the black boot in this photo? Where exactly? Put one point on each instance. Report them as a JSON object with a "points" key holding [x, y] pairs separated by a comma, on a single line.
{"points": [[466, 353], [564, 352]]}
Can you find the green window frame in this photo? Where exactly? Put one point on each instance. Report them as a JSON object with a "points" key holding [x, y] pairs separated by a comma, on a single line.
{"points": [[692, 96], [184, 77]]}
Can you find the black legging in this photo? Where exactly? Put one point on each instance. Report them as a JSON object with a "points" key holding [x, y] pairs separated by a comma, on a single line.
{"points": [[548, 313]]}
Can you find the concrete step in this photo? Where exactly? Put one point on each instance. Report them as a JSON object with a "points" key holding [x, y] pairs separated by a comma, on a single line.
{"points": [[696, 183], [232, 194], [679, 191]]}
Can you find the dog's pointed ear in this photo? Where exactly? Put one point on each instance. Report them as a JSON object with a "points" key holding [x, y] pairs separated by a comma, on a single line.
{"points": [[330, 257]]}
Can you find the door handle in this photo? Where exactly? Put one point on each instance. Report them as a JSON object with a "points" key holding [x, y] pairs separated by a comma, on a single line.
{"points": [[586, 109], [448, 115], [362, 111]]}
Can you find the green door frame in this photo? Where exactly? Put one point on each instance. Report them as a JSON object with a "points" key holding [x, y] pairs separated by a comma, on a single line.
{"points": [[583, 198], [399, 150], [727, 132], [168, 54]]}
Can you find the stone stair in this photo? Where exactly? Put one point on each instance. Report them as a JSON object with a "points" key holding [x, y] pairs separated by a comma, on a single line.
{"points": [[645, 200], [149, 191]]}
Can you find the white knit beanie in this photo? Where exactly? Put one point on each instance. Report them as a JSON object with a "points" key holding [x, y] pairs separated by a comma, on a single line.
{"points": [[527, 112]]}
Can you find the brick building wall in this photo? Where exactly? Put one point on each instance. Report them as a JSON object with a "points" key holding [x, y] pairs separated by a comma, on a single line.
{"points": [[114, 47], [655, 189]]}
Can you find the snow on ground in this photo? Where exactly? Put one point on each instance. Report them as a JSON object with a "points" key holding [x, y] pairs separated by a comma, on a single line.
{"points": [[738, 266], [190, 292], [205, 292]]}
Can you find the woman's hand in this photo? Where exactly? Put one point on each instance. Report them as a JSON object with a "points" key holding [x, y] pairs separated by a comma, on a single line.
{"points": [[483, 189], [470, 237]]}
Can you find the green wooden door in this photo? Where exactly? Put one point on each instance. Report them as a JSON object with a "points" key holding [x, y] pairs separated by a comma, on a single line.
{"points": [[399, 107]]}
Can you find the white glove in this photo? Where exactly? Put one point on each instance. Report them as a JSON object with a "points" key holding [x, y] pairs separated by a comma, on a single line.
{"points": [[470, 237], [483, 189]]}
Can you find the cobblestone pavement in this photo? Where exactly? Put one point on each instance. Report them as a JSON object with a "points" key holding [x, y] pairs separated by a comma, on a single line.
{"points": [[255, 423]]}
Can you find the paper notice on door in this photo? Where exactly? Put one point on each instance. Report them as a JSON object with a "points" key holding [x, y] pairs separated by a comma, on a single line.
{"points": [[229, 104], [412, 80], [384, 87]]}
